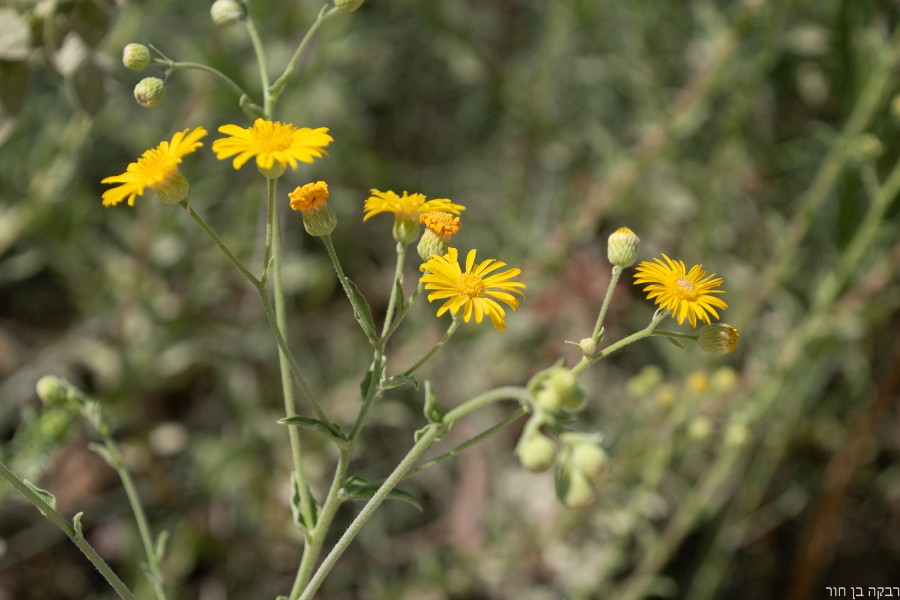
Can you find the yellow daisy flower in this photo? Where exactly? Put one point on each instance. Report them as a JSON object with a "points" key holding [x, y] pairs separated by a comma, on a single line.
{"points": [[156, 169], [408, 206], [274, 144], [473, 291], [685, 294]]}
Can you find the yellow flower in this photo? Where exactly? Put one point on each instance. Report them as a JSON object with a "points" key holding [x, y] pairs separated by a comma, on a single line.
{"points": [[471, 292], [156, 169], [272, 143], [408, 206], [309, 196], [685, 294]]}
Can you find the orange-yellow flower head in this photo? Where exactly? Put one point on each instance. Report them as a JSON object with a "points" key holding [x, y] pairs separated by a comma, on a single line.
{"points": [[319, 219], [309, 196], [439, 228], [274, 144], [407, 209], [685, 294], [156, 169], [473, 291]]}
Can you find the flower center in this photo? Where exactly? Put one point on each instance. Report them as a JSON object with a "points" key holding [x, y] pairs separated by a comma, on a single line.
{"points": [[273, 138], [685, 289], [471, 285]]}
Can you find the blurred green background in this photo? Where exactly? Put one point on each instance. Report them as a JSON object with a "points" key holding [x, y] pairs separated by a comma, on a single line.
{"points": [[757, 137]]}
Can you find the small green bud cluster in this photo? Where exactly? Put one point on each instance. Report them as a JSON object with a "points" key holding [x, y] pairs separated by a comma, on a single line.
{"points": [[227, 12], [556, 389], [582, 464], [149, 91], [58, 393], [136, 57]]}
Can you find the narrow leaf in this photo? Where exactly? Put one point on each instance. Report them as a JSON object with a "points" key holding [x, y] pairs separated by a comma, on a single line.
{"points": [[433, 412], [76, 523], [162, 541], [398, 380], [44, 495], [358, 488], [315, 425], [104, 453], [675, 342], [361, 309]]}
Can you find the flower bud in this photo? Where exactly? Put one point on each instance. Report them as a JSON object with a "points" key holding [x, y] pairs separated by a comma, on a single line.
{"points": [[440, 227], [227, 12], [348, 5], [136, 57], [588, 346], [574, 489], [589, 458], [149, 91], [319, 218], [536, 452], [622, 247], [718, 338], [52, 390]]}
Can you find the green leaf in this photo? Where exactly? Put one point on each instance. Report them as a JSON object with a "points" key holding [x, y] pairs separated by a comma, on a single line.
{"points": [[433, 412], [400, 302], [297, 507], [76, 523], [162, 540], [44, 495], [398, 380], [316, 425], [104, 453], [675, 342], [361, 309], [359, 488]]}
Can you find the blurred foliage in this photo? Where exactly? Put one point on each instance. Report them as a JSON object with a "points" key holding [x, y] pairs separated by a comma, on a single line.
{"points": [[750, 136]]}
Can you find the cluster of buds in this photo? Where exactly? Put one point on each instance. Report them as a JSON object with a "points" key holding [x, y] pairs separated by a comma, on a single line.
{"points": [[579, 459], [56, 392]]}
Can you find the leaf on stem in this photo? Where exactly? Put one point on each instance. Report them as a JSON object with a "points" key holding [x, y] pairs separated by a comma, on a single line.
{"points": [[675, 342], [44, 495], [361, 309], [159, 548], [315, 425], [76, 524], [359, 488], [433, 412], [398, 380], [400, 302], [104, 453], [296, 507]]}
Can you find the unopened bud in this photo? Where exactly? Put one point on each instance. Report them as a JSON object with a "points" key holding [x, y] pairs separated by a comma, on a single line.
{"points": [[589, 458], [574, 489], [136, 57], [622, 247], [588, 346], [348, 5], [536, 452], [52, 390], [149, 91], [718, 338], [227, 12]]}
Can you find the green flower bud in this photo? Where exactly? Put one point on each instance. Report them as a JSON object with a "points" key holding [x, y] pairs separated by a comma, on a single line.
{"points": [[52, 390], [588, 346], [622, 247], [574, 489], [149, 91], [536, 452], [348, 5], [718, 338], [699, 428], [227, 12], [136, 57], [589, 458]]}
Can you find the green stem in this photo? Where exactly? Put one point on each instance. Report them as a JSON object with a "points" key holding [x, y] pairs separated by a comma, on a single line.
{"points": [[372, 395], [275, 90], [139, 516], [616, 272], [450, 331], [403, 310], [272, 260], [61, 522], [430, 434], [586, 361], [673, 334], [261, 62], [470, 442], [501, 393], [215, 238], [178, 66], [397, 285], [358, 310], [318, 533]]}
